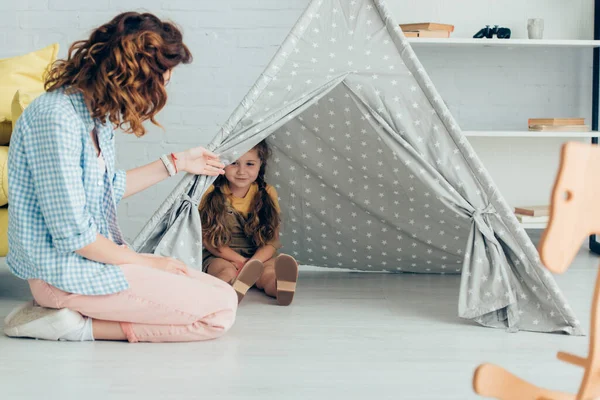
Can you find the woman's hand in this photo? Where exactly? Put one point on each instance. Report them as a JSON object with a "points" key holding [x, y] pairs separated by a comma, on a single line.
{"points": [[199, 161], [166, 264]]}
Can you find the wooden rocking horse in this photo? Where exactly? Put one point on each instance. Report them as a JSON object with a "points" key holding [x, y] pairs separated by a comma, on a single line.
{"points": [[574, 215]]}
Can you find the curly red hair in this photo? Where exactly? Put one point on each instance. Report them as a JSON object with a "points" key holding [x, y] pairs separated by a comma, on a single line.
{"points": [[120, 69]]}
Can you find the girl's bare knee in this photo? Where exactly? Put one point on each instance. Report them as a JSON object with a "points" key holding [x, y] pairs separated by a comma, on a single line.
{"points": [[228, 274]]}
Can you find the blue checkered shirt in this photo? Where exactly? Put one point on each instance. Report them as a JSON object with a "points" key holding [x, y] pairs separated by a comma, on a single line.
{"points": [[56, 189]]}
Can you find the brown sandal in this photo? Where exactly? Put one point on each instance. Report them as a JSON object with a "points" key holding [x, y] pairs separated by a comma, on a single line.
{"points": [[247, 277], [286, 275]]}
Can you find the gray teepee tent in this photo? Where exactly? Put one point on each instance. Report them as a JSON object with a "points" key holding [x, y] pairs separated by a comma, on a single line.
{"points": [[372, 172]]}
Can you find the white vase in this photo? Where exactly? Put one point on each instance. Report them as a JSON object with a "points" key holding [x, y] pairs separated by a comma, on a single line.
{"points": [[535, 28]]}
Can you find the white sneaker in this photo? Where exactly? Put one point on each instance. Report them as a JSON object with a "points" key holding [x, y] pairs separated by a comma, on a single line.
{"points": [[33, 321]]}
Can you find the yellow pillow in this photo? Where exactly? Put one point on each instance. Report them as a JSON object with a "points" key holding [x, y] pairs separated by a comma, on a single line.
{"points": [[5, 131], [23, 72], [3, 232], [3, 175], [19, 102]]}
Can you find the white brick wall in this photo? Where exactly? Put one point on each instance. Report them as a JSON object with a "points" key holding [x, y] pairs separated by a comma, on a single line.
{"points": [[232, 41]]}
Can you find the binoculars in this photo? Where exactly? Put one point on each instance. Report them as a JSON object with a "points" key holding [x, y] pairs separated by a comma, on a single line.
{"points": [[489, 32]]}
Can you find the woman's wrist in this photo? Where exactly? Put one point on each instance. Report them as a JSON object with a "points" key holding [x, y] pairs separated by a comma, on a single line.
{"points": [[138, 258], [174, 162], [168, 164], [178, 160]]}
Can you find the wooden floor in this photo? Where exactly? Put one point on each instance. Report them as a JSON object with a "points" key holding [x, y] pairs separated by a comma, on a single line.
{"points": [[347, 336]]}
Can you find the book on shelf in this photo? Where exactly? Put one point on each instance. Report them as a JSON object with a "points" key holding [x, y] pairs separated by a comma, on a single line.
{"points": [[427, 34], [560, 128], [533, 211], [555, 121], [427, 26]]}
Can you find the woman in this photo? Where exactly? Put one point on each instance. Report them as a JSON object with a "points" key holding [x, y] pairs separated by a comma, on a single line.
{"points": [[63, 236]]}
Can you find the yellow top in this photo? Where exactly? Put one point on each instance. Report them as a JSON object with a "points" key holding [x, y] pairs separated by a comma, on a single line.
{"points": [[243, 204]]}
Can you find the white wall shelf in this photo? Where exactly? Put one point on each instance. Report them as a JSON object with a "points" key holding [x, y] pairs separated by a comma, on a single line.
{"points": [[510, 43], [534, 225], [528, 134], [514, 44]]}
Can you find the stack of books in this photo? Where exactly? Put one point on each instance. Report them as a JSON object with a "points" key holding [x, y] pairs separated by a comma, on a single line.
{"points": [[427, 30], [533, 214], [558, 125]]}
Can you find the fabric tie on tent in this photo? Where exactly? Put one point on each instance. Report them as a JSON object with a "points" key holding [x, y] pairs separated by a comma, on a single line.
{"points": [[482, 225]]}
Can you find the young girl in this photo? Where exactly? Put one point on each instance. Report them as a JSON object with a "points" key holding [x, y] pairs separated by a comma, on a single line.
{"points": [[240, 218]]}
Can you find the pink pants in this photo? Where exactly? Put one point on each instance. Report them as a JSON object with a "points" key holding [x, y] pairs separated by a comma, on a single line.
{"points": [[158, 306]]}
